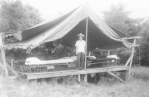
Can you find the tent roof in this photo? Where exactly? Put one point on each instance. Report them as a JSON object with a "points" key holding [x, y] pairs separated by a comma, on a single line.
{"points": [[68, 26]]}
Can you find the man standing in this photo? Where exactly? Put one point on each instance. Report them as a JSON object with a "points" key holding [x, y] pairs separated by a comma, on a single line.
{"points": [[80, 51]]}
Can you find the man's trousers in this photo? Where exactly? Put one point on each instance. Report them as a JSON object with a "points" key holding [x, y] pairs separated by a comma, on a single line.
{"points": [[80, 60]]}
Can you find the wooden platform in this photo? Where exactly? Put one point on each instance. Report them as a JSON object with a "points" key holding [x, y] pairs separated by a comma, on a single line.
{"points": [[12, 77], [74, 72]]}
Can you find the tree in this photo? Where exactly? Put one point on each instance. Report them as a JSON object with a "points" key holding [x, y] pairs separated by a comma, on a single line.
{"points": [[140, 27], [134, 26], [144, 43], [116, 17], [16, 16]]}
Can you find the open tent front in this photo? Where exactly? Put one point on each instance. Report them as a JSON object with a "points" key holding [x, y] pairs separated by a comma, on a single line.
{"points": [[95, 37], [81, 20]]}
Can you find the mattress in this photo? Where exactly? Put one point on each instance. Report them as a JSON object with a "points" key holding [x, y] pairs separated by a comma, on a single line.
{"points": [[36, 61]]}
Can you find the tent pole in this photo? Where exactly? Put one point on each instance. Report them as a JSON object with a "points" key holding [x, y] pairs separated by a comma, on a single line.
{"points": [[85, 78], [86, 42]]}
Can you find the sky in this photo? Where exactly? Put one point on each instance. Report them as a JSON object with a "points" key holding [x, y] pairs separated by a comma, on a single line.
{"points": [[55, 8]]}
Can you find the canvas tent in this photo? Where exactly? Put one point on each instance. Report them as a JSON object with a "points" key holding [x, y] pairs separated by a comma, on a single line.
{"points": [[66, 28], [81, 20]]}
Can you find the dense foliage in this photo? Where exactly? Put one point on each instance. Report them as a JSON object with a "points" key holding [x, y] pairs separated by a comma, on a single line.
{"points": [[116, 17], [16, 16], [144, 44]]}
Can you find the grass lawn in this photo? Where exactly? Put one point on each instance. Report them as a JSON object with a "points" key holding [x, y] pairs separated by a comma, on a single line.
{"points": [[138, 86]]}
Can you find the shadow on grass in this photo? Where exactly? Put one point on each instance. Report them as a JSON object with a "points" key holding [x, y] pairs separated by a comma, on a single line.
{"points": [[140, 73]]}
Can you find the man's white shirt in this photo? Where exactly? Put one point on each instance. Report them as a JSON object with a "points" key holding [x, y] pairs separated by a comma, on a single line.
{"points": [[80, 44]]}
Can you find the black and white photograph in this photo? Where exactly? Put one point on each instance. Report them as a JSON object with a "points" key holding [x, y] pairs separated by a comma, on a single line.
{"points": [[74, 48]]}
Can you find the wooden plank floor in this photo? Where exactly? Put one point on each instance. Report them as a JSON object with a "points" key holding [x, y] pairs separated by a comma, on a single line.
{"points": [[12, 77], [74, 72]]}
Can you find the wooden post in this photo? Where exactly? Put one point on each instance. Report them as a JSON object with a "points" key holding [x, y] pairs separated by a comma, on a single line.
{"points": [[133, 47], [79, 78], [126, 64], [12, 64], [108, 52], [5, 70], [131, 59], [139, 55], [115, 76], [11, 69], [1, 68], [85, 77], [124, 75], [4, 62]]}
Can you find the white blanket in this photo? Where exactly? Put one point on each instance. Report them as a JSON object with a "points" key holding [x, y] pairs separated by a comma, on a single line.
{"points": [[36, 61]]}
